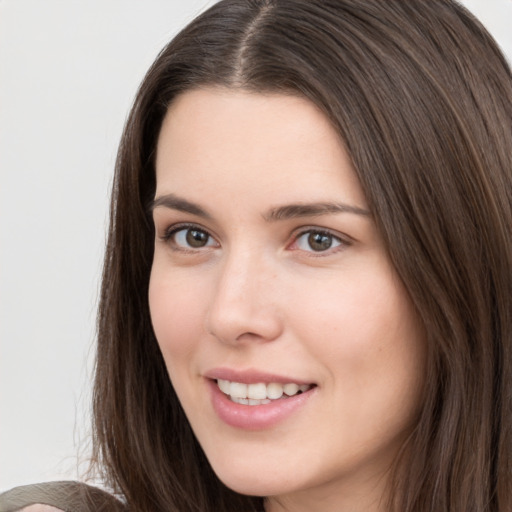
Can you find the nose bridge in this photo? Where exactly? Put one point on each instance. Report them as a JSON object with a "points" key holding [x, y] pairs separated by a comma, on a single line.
{"points": [[243, 305]]}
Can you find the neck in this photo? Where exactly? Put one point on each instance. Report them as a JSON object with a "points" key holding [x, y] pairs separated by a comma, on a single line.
{"points": [[334, 497]]}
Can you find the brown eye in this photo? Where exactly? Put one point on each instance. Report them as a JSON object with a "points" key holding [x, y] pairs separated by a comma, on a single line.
{"points": [[317, 241], [196, 238], [191, 238], [320, 241]]}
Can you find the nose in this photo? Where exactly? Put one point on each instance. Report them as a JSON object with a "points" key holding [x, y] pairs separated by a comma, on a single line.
{"points": [[244, 306]]}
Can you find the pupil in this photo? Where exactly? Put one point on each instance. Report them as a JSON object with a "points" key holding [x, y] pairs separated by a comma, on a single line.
{"points": [[196, 238], [319, 241]]}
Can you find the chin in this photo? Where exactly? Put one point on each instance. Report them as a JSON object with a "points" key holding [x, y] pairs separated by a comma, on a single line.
{"points": [[252, 481], [254, 486]]}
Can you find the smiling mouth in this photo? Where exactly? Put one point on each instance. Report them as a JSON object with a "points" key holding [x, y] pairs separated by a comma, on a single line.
{"points": [[260, 393]]}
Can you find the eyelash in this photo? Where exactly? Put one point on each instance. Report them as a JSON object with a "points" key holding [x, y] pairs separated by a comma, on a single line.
{"points": [[342, 242]]}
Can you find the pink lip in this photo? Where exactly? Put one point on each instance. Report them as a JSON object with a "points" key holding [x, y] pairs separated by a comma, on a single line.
{"points": [[254, 417], [250, 376]]}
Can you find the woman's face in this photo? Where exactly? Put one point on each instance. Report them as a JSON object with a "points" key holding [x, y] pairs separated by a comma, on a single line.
{"points": [[288, 337]]}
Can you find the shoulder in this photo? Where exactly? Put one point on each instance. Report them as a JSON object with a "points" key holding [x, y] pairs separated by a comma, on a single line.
{"points": [[59, 497], [40, 508]]}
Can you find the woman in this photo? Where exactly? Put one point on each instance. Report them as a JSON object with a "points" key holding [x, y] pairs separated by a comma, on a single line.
{"points": [[307, 288]]}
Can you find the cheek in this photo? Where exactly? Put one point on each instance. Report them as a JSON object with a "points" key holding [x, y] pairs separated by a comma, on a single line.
{"points": [[365, 331], [176, 314], [352, 314]]}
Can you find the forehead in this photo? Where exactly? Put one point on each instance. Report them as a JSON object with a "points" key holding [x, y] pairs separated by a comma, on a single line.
{"points": [[213, 138]]}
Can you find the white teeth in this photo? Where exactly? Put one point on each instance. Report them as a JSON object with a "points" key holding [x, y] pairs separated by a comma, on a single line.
{"points": [[224, 386], [253, 401], [244, 401], [249, 401], [275, 391], [257, 391], [291, 389], [238, 390], [260, 393]]}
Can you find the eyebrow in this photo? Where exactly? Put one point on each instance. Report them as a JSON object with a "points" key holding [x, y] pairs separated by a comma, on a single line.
{"points": [[293, 211], [177, 203], [278, 213]]}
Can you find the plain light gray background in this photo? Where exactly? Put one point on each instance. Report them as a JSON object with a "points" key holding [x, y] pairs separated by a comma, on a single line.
{"points": [[68, 73]]}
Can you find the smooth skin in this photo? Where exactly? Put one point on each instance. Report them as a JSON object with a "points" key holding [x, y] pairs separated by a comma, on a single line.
{"points": [[240, 282]]}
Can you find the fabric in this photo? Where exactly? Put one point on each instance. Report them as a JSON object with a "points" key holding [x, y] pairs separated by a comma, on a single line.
{"points": [[66, 496]]}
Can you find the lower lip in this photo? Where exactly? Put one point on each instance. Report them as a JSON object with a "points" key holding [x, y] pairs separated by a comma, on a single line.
{"points": [[255, 417]]}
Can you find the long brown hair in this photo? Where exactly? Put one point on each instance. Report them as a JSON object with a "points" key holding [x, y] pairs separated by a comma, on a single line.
{"points": [[422, 98]]}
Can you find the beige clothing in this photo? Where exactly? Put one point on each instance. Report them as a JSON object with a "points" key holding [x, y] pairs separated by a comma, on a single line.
{"points": [[65, 496]]}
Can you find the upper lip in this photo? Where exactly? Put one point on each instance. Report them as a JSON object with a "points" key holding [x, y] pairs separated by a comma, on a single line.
{"points": [[251, 376]]}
